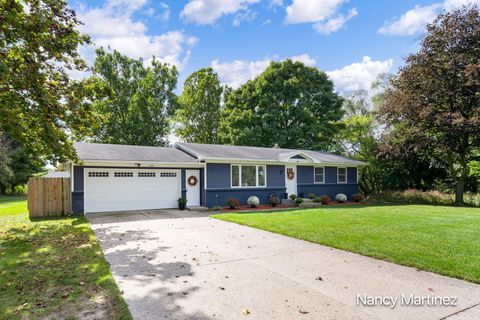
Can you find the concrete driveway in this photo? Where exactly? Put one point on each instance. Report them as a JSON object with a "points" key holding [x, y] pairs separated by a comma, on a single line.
{"points": [[184, 265]]}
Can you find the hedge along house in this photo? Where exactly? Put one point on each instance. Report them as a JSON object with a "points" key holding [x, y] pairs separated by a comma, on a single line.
{"points": [[122, 178]]}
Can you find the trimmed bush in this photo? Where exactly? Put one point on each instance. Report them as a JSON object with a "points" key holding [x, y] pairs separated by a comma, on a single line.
{"points": [[293, 196], [233, 202], [298, 201], [311, 196], [357, 197], [273, 200], [253, 201], [317, 199], [325, 199], [341, 198]]}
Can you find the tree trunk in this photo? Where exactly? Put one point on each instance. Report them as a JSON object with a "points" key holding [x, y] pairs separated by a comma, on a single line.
{"points": [[459, 191]]}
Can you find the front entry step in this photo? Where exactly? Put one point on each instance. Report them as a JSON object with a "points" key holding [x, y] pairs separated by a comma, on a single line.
{"points": [[198, 208]]}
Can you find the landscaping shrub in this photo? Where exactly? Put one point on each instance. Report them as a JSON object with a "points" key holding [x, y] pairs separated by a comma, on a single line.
{"points": [[341, 198], [182, 203], [253, 201], [298, 201], [425, 197], [273, 200], [357, 197], [233, 202], [311, 195], [317, 199], [325, 199], [293, 196]]}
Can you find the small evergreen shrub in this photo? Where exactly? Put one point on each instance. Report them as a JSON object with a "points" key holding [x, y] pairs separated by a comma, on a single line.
{"points": [[293, 196], [311, 196], [273, 200], [317, 199], [298, 201]]}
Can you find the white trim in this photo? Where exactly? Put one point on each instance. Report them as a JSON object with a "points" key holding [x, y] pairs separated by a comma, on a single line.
{"points": [[240, 175], [346, 175], [314, 181], [143, 164], [276, 162]]}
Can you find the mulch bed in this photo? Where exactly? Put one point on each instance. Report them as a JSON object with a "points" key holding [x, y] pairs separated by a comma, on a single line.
{"points": [[259, 207], [335, 203]]}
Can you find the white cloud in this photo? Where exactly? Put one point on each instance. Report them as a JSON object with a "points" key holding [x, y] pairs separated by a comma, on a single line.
{"points": [[335, 23], [324, 14], [113, 25], [415, 20], [244, 15], [412, 21], [305, 58], [238, 72], [359, 75], [204, 12]]}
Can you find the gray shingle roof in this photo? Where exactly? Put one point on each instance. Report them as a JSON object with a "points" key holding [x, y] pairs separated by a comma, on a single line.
{"points": [[212, 152], [116, 152]]}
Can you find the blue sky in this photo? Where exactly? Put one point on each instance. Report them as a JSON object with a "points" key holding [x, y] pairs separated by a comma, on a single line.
{"points": [[353, 41]]}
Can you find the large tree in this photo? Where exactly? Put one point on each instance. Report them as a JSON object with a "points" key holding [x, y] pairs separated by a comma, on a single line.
{"points": [[289, 104], [40, 106], [198, 115], [134, 101], [434, 103]]}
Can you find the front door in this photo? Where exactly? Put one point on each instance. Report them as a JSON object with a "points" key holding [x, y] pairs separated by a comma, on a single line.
{"points": [[193, 187], [291, 179]]}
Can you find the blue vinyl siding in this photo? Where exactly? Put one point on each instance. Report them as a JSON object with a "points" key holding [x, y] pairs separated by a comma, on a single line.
{"points": [[304, 174], [276, 176], [218, 175], [77, 193], [352, 175], [330, 174], [219, 188], [306, 185]]}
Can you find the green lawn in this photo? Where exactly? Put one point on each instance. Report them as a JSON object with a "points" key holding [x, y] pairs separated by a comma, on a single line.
{"points": [[53, 268], [445, 240]]}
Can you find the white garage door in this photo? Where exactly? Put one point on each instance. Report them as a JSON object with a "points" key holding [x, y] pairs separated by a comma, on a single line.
{"points": [[127, 189]]}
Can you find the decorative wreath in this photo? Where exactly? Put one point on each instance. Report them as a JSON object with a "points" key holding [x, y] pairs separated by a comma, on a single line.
{"points": [[290, 174], [192, 181]]}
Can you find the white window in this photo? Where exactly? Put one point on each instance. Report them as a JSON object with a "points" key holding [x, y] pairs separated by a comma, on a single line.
{"points": [[98, 174], [319, 175], [123, 174], [146, 174], [341, 175], [248, 175]]}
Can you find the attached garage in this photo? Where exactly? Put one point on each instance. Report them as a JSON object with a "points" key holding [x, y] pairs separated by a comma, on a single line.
{"points": [[112, 178], [130, 189]]}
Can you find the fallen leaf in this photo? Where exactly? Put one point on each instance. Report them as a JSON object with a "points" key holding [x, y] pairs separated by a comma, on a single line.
{"points": [[221, 288], [319, 278], [302, 311], [246, 312]]}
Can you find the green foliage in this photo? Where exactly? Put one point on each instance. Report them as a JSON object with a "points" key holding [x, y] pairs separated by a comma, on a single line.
{"points": [[433, 104], [198, 115], [134, 102], [311, 195], [424, 197], [289, 104], [273, 200], [40, 106], [298, 201], [317, 199], [292, 196]]}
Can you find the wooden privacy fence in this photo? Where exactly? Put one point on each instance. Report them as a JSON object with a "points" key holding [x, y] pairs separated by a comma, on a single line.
{"points": [[48, 197]]}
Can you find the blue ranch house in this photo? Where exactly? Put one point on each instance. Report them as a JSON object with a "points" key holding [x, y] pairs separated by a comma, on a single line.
{"points": [[121, 178]]}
